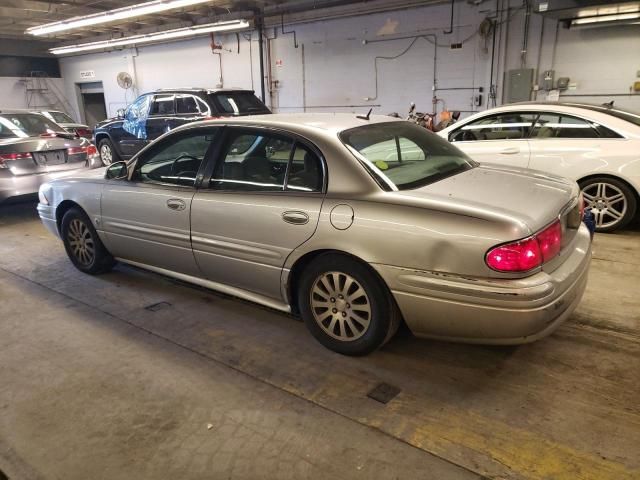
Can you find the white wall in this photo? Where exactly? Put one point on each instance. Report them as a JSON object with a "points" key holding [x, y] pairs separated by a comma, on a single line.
{"points": [[339, 70], [14, 93]]}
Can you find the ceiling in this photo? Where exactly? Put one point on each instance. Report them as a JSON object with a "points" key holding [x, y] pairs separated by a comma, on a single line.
{"points": [[18, 15]]}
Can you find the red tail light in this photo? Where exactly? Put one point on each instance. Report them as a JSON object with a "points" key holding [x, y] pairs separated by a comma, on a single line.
{"points": [[88, 150], [13, 156], [83, 132], [527, 254]]}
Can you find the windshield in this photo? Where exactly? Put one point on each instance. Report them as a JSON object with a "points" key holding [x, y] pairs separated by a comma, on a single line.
{"points": [[238, 103], [25, 125], [60, 117], [403, 155]]}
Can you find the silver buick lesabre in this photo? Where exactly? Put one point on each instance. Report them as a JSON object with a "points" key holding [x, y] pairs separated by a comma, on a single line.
{"points": [[355, 223]]}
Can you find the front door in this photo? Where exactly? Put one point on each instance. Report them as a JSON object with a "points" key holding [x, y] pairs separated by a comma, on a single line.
{"points": [[262, 201], [499, 138], [133, 135], [147, 219]]}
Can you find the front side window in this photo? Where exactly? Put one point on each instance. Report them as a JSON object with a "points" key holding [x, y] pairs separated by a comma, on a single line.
{"points": [[502, 126], [163, 105], [404, 156], [554, 125], [176, 160], [253, 161]]}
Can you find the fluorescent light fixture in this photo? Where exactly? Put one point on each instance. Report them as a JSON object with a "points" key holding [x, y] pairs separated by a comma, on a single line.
{"points": [[605, 18], [138, 10], [232, 25]]}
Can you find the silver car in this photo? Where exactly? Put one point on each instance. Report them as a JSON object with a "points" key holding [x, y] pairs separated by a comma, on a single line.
{"points": [[34, 149], [355, 223]]}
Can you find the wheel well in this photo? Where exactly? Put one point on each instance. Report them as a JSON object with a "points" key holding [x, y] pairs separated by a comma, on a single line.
{"points": [[605, 175], [63, 208], [300, 264], [100, 137]]}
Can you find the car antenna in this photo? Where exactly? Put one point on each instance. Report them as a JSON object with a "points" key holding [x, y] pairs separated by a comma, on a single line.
{"points": [[608, 104], [365, 117]]}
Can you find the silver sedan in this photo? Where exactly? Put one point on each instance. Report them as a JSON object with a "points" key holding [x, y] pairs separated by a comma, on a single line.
{"points": [[354, 223]]}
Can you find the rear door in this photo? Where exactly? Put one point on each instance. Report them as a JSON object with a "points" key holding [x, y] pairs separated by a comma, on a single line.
{"points": [[262, 201], [569, 146], [499, 138], [147, 219]]}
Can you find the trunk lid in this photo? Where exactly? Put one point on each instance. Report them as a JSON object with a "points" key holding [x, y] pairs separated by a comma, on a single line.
{"points": [[44, 155], [525, 197]]}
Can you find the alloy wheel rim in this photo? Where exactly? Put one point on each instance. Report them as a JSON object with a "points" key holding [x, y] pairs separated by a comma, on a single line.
{"points": [[81, 242], [340, 306], [607, 203], [105, 154]]}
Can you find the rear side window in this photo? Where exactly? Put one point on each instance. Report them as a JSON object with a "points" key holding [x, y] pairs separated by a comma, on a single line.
{"points": [[305, 170], [502, 126], [163, 105], [186, 104], [553, 125]]}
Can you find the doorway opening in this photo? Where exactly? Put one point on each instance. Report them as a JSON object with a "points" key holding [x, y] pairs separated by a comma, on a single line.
{"points": [[91, 102]]}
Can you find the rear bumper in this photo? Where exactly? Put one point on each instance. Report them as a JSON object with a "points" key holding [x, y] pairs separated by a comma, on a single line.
{"points": [[472, 310], [17, 185]]}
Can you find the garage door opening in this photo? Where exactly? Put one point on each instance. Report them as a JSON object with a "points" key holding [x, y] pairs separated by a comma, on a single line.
{"points": [[91, 102]]}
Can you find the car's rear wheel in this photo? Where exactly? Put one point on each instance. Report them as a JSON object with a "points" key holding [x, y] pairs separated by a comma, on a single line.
{"points": [[346, 306], [107, 153], [611, 201], [83, 246]]}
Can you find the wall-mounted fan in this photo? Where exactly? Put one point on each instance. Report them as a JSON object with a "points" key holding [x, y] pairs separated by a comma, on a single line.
{"points": [[124, 80]]}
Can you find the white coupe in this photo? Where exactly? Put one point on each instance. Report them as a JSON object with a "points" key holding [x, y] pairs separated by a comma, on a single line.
{"points": [[598, 146]]}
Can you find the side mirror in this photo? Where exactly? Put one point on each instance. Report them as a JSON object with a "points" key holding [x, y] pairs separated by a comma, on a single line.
{"points": [[120, 113], [117, 171]]}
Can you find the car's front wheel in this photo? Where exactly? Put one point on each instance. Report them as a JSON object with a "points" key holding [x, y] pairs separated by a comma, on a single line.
{"points": [[345, 306], [611, 201], [107, 153], [83, 246]]}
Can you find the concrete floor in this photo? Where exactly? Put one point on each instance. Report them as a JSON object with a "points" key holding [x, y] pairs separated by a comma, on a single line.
{"points": [[93, 385]]}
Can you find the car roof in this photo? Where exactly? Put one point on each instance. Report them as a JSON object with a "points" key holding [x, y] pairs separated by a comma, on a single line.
{"points": [[200, 90], [330, 122], [18, 110]]}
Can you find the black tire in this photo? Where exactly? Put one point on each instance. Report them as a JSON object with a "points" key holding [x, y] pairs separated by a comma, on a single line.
{"points": [[603, 209], [105, 146], [383, 316], [90, 256]]}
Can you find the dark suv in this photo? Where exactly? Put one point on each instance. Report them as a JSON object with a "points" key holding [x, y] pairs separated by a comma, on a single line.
{"points": [[155, 113]]}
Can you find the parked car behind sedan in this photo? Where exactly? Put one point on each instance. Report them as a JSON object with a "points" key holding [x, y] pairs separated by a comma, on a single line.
{"points": [[68, 123], [309, 214], [156, 113], [598, 146], [34, 150]]}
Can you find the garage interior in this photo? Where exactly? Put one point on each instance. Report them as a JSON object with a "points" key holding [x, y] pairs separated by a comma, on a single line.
{"points": [[132, 374]]}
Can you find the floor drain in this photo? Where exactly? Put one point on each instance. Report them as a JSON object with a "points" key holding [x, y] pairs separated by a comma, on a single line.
{"points": [[383, 393], [154, 307]]}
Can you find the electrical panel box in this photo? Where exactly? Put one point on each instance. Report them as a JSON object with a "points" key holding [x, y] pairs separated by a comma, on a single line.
{"points": [[547, 80], [563, 83], [519, 85]]}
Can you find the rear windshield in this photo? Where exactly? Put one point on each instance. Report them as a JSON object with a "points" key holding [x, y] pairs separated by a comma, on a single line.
{"points": [[237, 103], [25, 125], [60, 117], [403, 155]]}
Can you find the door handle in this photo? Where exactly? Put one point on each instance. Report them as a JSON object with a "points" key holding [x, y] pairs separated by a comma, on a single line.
{"points": [[295, 217], [510, 151], [176, 204]]}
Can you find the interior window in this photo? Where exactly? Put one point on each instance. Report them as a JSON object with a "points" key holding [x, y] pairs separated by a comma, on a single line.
{"points": [[175, 160], [186, 104], [204, 108], [553, 125], [253, 162], [502, 126], [305, 171], [163, 105]]}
